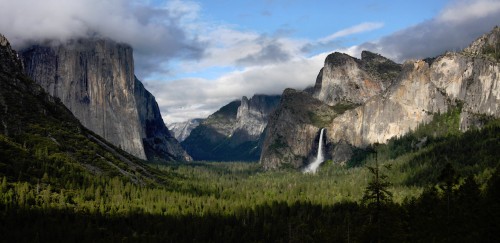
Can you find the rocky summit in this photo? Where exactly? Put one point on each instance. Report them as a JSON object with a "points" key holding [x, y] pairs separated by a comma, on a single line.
{"points": [[95, 79], [367, 101], [234, 132], [348, 79], [181, 130]]}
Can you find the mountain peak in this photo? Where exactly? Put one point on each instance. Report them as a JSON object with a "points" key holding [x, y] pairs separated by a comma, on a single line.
{"points": [[368, 56], [488, 45], [339, 59], [11, 62], [3, 41], [348, 79]]}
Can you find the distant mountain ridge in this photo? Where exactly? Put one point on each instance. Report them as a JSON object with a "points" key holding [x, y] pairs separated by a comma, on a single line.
{"points": [[234, 132], [95, 79], [181, 130], [361, 102]]}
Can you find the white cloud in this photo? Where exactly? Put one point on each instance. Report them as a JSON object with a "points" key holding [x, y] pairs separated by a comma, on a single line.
{"points": [[454, 28], [157, 33], [194, 98], [360, 28], [227, 46], [268, 63], [462, 11]]}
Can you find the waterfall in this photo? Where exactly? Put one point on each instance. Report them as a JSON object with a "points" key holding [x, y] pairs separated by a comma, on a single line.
{"points": [[312, 167]]}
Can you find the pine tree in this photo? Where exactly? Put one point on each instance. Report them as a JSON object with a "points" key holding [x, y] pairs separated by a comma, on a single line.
{"points": [[377, 190], [448, 179], [377, 193], [3, 186]]}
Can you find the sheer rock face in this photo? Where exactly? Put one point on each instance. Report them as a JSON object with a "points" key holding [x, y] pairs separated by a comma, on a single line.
{"points": [[411, 100], [234, 132], [392, 102], [486, 45], [421, 91], [472, 77], [253, 114], [159, 144], [95, 79], [348, 79], [291, 131], [473, 81]]}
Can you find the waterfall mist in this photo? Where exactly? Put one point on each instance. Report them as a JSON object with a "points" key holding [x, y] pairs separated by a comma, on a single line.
{"points": [[312, 167]]}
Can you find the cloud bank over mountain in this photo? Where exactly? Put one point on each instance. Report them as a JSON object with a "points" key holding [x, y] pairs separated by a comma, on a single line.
{"points": [[194, 64], [454, 28], [156, 32]]}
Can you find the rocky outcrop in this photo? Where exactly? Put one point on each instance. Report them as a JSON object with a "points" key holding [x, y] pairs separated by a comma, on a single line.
{"points": [[10, 70], [252, 115], [412, 100], [392, 102], [159, 144], [181, 130], [11, 63], [421, 91], [234, 132], [95, 79], [342, 84], [208, 140], [293, 128], [486, 46], [348, 79]]}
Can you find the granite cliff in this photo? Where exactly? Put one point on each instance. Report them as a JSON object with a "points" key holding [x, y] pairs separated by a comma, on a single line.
{"points": [[40, 137], [375, 99], [348, 79], [159, 144], [293, 128], [234, 132], [95, 79]]}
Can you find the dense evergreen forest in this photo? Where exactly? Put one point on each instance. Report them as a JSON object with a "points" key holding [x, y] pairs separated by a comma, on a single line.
{"points": [[435, 184]]}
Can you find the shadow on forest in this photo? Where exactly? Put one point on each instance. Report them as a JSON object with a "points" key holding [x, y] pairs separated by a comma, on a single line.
{"points": [[433, 217]]}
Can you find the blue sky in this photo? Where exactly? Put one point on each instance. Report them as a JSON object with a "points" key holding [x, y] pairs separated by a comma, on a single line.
{"points": [[316, 19], [196, 56], [307, 21]]}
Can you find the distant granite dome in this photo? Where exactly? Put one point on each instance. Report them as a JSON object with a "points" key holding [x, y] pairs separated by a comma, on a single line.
{"points": [[181, 130], [95, 79]]}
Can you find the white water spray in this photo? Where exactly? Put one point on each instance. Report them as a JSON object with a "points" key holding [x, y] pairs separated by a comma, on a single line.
{"points": [[312, 167]]}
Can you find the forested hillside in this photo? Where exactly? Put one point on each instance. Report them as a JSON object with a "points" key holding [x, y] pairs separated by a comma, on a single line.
{"points": [[224, 202]]}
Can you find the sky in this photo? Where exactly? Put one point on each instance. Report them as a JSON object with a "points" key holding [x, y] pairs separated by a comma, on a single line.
{"points": [[196, 56]]}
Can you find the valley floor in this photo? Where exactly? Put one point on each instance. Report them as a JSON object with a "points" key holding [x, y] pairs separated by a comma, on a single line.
{"points": [[219, 202], [447, 190]]}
